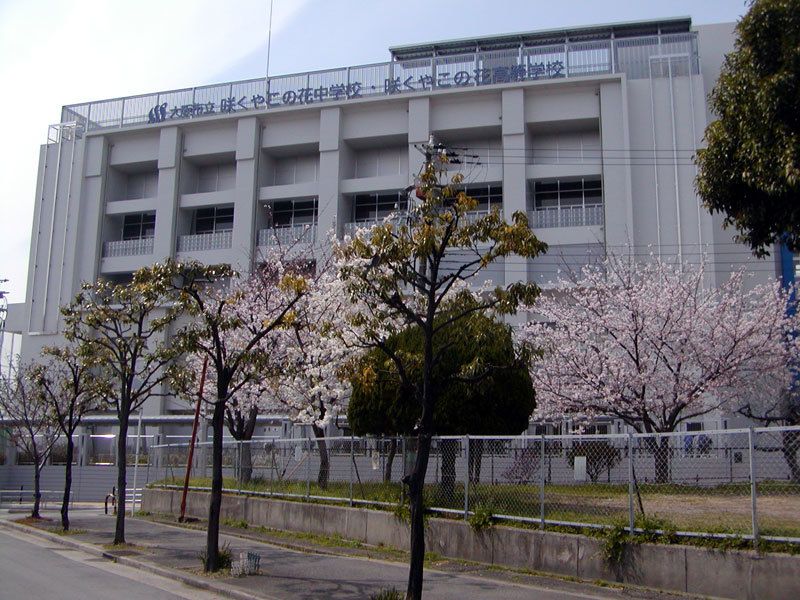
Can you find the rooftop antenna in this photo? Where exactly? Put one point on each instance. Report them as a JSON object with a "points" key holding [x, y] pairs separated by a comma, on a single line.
{"points": [[269, 36]]}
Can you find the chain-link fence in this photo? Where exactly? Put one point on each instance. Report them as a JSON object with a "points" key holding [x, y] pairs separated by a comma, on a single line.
{"points": [[743, 482]]}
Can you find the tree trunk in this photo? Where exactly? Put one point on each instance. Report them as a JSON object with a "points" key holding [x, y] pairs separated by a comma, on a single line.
{"points": [[387, 472], [212, 539], [416, 488], [475, 459], [67, 484], [661, 451], [791, 446], [448, 449], [122, 466], [324, 459], [37, 493], [245, 462]]}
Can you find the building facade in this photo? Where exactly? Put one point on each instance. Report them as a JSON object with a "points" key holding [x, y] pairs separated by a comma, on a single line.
{"points": [[590, 131]]}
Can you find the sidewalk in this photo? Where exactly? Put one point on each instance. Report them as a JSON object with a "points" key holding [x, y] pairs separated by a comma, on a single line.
{"points": [[316, 571]]}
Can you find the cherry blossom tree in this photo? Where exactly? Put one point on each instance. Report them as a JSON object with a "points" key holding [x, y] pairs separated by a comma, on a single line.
{"points": [[649, 342], [412, 273], [311, 386], [237, 325]]}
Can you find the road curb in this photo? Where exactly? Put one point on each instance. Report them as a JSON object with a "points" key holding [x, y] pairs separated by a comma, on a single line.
{"points": [[167, 572]]}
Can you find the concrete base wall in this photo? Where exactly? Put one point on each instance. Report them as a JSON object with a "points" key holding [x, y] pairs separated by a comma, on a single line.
{"points": [[732, 574]]}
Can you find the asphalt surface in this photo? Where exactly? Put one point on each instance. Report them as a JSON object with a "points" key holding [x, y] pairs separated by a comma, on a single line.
{"points": [[31, 569]]}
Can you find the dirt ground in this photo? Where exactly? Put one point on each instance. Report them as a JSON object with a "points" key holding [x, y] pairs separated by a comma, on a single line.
{"points": [[704, 512]]}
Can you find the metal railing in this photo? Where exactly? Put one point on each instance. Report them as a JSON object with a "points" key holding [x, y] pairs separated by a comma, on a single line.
{"points": [[567, 216], [128, 247], [218, 240], [527, 63], [287, 236], [742, 482], [352, 227]]}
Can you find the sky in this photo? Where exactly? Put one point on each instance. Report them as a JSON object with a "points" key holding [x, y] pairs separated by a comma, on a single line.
{"points": [[60, 52]]}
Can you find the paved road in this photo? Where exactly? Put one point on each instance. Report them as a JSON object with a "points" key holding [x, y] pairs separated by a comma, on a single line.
{"points": [[32, 568], [292, 575]]}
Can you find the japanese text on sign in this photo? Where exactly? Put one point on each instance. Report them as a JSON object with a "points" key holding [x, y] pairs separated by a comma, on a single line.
{"points": [[356, 89]]}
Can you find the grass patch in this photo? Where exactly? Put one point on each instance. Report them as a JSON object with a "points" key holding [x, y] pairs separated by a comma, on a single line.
{"points": [[59, 531], [235, 523], [723, 508], [388, 594]]}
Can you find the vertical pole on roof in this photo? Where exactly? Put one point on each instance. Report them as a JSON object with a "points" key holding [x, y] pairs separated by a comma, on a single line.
{"points": [[612, 48]]}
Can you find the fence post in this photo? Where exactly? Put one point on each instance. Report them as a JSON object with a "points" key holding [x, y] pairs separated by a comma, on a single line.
{"points": [[631, 518], [308, 470], [753, 491], [239, 466], [466, 477], [352, 462], [541, 480]]}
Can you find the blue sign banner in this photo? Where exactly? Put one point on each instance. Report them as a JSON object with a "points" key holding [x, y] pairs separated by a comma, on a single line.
{"points": [[355, 89]]}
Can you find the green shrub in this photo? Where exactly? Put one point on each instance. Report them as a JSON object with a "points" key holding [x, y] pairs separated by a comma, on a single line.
{"points": [[387, 594], [236, 523], [225, 557], [481, 518]]}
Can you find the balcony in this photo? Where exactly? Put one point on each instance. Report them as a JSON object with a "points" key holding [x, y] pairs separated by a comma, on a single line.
{"points": [[133, 247], [566, 216], [218, 240], [287, 237]]}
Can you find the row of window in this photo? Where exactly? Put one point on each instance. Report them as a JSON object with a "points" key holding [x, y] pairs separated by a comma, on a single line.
{"points": [[373, 207]]}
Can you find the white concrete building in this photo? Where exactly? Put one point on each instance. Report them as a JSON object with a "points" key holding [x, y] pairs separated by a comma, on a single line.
{"points": [[589, 130]]}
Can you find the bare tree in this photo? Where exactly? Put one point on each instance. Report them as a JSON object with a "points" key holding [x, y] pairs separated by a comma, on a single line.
{"points": [[33, 427], [71, 390]]}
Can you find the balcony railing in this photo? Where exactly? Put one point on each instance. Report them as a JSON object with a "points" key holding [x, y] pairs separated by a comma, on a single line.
{"points": [[567, 216], [219, 240], [128, 247], [631, 55], [287, 236], [351, 228]]}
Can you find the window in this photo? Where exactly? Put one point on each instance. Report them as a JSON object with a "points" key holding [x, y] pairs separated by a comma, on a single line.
{"points": [[488, 197], [216, 178], [137, 227], [141, 185], [566, 194], [211, 220], [372, 207], [287, 213]]}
